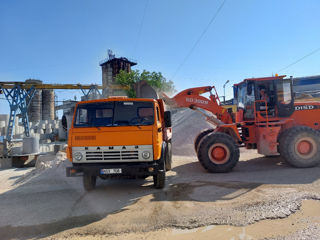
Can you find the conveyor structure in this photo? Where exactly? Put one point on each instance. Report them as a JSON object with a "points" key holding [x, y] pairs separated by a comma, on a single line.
{"points": [[19, 96]]}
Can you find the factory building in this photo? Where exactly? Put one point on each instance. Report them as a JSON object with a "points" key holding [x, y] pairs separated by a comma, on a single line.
{"points": [[110, 68]]}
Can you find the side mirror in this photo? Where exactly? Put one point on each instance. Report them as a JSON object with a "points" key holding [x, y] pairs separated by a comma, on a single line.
{"points": [[249, 88], [235, 92], [167, 119]]}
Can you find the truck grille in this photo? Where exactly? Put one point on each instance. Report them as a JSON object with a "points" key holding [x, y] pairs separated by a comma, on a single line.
{"points": [[112, 155]]}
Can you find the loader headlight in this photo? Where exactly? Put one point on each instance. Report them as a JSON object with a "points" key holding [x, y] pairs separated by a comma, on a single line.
{"points": [[146, 154], [77, 156]]}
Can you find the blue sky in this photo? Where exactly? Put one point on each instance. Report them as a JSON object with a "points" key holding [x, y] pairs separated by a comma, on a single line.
{"points": [[63, 41]]}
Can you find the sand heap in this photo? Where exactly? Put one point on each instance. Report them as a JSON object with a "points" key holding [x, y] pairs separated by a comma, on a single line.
{"points": [[49, 163], [186, 125]]}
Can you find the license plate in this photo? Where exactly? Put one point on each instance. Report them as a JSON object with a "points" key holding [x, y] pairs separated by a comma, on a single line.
{"points": [[111, 171]]}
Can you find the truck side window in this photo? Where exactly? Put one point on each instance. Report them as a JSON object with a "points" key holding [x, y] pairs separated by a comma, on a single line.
{"points": [[158, 115], [82, 117]]}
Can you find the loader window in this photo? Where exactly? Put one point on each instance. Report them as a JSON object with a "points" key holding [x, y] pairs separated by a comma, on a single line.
{"points": [[246, 98], [285, 101], [284, 92]]}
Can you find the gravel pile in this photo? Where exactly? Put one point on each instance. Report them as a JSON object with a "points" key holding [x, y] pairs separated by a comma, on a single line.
{"points": [[186, 125]]}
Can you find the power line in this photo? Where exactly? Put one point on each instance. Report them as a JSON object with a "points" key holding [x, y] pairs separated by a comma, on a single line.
{"points": [[140, 27], [199, 39], [300, 59]]}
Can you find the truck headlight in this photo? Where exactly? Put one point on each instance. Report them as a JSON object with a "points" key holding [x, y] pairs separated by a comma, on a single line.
{"points": [[77, 156], [146, 154]]}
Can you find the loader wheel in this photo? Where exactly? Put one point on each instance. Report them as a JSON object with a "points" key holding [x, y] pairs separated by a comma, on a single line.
{"points": [[201, 135], [218, 153], [169, 157], [300, 147], [89, 182]]}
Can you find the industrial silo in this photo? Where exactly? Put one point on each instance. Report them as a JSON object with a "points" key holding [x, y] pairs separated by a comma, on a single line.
{"points": [[47, 104], [34, 109]]}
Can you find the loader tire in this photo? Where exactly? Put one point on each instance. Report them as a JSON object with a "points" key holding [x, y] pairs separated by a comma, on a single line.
{"points": [[201, 135], [89, 182], [218, 153], [300, 147]]}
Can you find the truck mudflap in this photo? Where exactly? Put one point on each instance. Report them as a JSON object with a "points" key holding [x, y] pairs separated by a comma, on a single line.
{"points": [[129, 169]]}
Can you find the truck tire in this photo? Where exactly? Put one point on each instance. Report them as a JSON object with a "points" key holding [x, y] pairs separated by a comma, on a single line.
{"points": [[300, 147], [160, 178], [198, 138], [218, 152], [169, 156], [89, 182]]}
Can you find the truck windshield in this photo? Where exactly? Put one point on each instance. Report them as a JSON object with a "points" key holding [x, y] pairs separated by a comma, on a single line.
{"points": [[119, 113]]}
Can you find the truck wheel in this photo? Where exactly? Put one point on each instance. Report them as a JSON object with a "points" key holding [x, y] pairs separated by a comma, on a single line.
{"points": [[200, 136], [300, 147], [160, 178], [218, 153], [169, 156], [89, 182]]}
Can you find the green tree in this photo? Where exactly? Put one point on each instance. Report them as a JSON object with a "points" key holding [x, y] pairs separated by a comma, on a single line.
{"points": [[154, 79]]}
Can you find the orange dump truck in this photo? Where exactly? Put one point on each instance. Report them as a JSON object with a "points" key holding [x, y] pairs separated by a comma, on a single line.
{"points": [[120, 136]]}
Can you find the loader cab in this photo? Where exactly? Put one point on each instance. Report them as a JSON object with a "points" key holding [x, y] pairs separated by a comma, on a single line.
{"points": [[264, 98]]}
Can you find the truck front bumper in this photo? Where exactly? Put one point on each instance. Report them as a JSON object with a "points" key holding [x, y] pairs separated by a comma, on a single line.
{"points": [[127, 169]]}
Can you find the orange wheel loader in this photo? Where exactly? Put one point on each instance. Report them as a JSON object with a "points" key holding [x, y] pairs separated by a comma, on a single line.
{"points": [[267, 119]]}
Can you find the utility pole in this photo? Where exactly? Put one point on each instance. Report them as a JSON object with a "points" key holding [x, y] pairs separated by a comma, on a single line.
{"points": [[224, 92]]}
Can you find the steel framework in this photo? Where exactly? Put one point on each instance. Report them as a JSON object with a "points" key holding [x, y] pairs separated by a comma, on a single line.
{"points": [[20, 94]]}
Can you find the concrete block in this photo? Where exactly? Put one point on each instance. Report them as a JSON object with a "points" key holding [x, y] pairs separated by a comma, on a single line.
{"points": [[37, 135], [44, 148], [45, 140], [18, 136], [21, 129], [16, 150], [48, 130], [5, 162]]}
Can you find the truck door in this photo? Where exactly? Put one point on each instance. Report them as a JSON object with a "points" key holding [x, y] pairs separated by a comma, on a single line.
{"points": [[159, 134]]}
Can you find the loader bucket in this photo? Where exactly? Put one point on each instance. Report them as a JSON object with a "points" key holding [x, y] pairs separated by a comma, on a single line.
{"points": [[144, 90]]}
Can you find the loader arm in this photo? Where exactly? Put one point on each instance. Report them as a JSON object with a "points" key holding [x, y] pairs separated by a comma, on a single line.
{"points": [[192, 98]]}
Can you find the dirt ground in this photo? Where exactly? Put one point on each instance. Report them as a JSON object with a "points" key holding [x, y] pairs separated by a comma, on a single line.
{"points": [[263, 198]]}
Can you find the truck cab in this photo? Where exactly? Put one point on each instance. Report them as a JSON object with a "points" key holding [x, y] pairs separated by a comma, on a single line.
{"points": [[120, 136]]}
